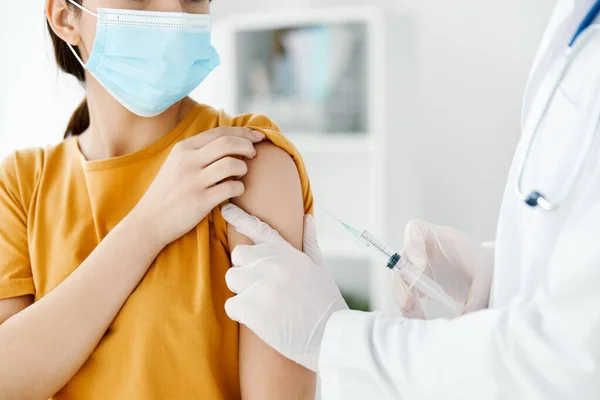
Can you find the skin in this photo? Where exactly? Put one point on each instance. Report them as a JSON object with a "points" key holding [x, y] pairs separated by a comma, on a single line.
{"points": [[49, 340], [264, 373]]}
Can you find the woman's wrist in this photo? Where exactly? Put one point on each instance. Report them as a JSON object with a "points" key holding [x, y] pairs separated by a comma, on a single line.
{"points": [[142, 234]]}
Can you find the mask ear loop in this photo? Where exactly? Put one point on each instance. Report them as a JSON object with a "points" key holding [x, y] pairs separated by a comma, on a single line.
{"points": [[71, 47], [83, 8], [76, 55]]}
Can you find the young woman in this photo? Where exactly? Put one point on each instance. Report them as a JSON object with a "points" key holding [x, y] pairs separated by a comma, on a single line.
{"points": [[113, 250]]}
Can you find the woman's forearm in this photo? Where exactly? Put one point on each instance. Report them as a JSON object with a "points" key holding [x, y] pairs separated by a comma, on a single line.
{"points": [[43, 346]]}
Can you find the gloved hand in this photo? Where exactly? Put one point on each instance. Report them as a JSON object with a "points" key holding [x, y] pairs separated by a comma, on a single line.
{"points": [[457, 262], [284, 296]]}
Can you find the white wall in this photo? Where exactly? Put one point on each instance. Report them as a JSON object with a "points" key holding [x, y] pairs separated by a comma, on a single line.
{"points": [[455, 84], [35, 100], [472, 61], [456, 72]]}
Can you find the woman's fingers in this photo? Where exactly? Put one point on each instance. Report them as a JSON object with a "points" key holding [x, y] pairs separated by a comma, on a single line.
{"points": [[202, 139], [224, 191], [194, 179], [223, 147], [227, 167]]}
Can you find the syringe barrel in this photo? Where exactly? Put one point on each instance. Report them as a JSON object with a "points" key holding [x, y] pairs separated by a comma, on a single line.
{"points": [[408, 272], [368, 240], [415, 277], [392, 257]]}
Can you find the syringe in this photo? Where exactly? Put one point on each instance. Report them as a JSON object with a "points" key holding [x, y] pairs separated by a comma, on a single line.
{"points": [[407, 271]]}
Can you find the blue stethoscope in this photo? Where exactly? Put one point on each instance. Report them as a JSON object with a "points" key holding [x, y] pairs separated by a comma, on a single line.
{"points": [[536, 198]]}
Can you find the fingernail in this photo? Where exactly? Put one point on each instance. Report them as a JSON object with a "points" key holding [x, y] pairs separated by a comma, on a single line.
{"points": [[258, 135]]}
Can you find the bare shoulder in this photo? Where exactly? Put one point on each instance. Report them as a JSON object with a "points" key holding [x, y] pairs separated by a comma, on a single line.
{"points": [[273, 191], [272, 166]]}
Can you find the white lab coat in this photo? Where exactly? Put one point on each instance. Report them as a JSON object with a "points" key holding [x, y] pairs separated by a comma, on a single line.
{"points": [[540, 339]]}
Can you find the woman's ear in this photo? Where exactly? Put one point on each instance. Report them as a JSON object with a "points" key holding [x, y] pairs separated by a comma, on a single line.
{"points": [[63, 21]]}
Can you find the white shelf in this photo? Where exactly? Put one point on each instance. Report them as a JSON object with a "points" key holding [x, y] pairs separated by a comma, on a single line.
{"points": [[342, 249], [341, 164], [298, 18], [338, 143]]}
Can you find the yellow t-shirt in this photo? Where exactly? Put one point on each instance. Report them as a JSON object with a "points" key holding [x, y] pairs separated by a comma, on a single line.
{"points": [[172, 338]]}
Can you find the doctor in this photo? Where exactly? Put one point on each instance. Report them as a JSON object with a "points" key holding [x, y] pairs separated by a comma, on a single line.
{"points": [[540, 336]]}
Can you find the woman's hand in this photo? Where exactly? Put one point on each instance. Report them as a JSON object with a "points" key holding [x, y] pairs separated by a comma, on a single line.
{"points": [[194, 179]]}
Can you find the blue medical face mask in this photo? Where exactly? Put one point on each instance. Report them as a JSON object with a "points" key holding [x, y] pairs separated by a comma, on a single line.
{"points": [[150, 60]]}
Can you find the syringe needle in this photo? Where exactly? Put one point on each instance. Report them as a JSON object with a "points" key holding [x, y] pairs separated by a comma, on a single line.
{"points": [[349, 229], [406, 269], [330, 214]]}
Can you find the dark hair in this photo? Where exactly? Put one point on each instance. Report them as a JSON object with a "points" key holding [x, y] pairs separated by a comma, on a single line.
{"points": [[80, 120]]}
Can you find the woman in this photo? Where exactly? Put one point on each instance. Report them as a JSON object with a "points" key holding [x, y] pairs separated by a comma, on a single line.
{"points": [[113, 249]]}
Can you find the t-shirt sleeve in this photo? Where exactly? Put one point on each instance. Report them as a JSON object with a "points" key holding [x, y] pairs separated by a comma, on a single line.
{"points": [[15, 267]]}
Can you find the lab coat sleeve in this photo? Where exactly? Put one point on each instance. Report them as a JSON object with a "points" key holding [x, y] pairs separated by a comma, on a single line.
{"points": [[545, 348]]}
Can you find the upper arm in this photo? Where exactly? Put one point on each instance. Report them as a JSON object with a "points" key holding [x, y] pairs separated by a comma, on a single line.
{"points": [[16, 282], [273, 194]]}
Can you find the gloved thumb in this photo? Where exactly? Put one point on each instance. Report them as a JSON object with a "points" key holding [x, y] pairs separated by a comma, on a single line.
{"points": [[248, 225], [419, 243], [234, 309], [310, 243], [407, 299]]}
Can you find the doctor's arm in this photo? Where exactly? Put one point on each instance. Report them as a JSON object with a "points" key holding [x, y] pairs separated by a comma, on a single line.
{"points": [[273, 193], [546, 348]]}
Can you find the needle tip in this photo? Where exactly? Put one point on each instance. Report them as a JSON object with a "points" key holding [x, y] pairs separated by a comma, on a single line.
{"points": [[348, 228]]}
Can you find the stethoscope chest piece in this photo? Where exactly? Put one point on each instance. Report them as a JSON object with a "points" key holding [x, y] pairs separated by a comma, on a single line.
{"points": [[533, 199]]}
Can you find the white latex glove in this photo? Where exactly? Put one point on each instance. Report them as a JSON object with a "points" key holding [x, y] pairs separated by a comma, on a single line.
{"points": [[457, 262], [284, 296]]}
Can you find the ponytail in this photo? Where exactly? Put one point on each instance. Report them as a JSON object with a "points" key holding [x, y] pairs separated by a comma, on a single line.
{"points": [[80, 120]]}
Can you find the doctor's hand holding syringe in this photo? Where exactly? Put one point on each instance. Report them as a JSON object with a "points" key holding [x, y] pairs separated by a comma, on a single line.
{"points": [[462, 266], [414, 276], [430, 252]]}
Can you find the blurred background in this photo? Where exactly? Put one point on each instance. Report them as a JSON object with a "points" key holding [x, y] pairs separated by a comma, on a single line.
{"points": [[401, 109]]}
